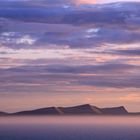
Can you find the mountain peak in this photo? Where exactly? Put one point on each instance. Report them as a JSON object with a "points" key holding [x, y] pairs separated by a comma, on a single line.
{"points": [[83, 105], [80, 109], [115, 110]]}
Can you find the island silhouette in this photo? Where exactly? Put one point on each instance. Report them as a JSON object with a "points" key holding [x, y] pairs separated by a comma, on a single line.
{"points": [[85, 109]]}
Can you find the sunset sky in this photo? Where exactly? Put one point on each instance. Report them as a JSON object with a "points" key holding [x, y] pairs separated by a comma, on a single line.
{"points": [[68, 52]]}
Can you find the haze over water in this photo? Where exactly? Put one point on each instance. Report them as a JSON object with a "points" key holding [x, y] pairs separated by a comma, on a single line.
{"points": [[70, 128]]}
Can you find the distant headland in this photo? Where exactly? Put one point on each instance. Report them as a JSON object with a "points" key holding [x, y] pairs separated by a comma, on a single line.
{"points": [[85, 109]]}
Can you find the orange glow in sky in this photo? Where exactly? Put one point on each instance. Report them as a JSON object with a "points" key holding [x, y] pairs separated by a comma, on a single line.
{"points": [[101, 1], [87, 1]]}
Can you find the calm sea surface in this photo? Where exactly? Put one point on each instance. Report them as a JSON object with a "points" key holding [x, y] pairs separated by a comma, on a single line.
{"points": [[70, 128]]}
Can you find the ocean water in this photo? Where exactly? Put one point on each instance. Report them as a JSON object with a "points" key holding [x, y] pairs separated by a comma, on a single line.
{"points": [[70, 128]]}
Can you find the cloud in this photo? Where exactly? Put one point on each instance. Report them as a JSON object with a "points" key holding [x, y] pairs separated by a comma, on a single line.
{"points": [[129, 52], [77, 26], [76, 15], [77, 69], [62, 44], [14, 38], [78, 38], [48, 78], [113, 81], [130, 98]]}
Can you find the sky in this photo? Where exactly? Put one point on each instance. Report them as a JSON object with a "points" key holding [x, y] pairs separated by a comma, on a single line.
{"points": [[105, 1], [65, 53]]}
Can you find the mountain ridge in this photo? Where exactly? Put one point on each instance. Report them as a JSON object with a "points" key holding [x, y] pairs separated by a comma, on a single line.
{"points": [[3, 113], [84, 109]]}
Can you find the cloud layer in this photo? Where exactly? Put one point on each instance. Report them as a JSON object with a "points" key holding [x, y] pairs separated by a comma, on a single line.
{"points": [[52, 47]]}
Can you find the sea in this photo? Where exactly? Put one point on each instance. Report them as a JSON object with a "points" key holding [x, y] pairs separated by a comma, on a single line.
{"points": [[70, 128]]}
